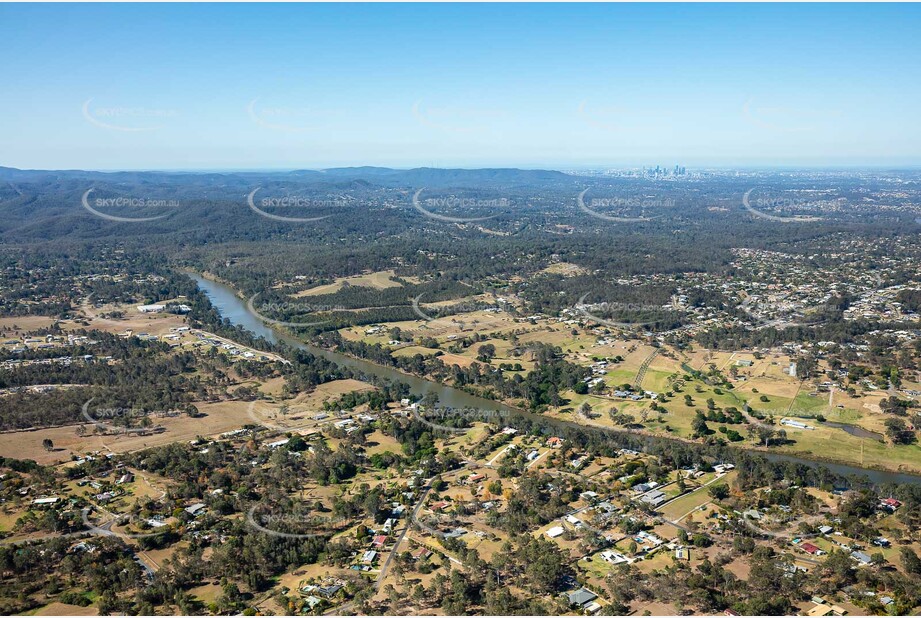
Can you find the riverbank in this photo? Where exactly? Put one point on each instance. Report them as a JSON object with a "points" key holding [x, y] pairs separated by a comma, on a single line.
{"points": [[233, 307]]}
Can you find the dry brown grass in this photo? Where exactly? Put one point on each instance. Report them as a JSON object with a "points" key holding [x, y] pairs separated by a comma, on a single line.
{"points": [[62, 609], [378, 280]]}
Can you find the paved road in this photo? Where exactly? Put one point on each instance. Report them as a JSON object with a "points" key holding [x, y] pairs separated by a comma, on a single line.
{"points": [[396, 546], [346, 609]]}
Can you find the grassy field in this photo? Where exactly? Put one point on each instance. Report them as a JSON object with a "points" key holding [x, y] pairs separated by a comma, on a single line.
{"points": [[688, 502], [218, 418], [378, 280], [379, 443], [62, 609]]}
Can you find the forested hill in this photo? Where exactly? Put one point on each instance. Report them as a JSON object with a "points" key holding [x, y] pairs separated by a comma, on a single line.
{"points": [[423, 176]]}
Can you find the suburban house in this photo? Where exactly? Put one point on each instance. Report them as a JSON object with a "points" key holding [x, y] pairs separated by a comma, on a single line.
{"points": [[196, 509], [861, 557], [654, 498], [822, 609], [809, 548], [581, 597], [890, 504], [613, 557]]}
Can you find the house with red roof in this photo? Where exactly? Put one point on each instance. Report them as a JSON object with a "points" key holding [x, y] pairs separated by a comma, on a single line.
{"points": [[890, 503], [809, 548]]}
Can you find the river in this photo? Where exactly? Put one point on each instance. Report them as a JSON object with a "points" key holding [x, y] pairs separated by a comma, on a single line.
{"points": [[234, 308]]}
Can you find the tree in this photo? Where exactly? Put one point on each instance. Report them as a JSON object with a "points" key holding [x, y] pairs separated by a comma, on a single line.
{"points": [[486, 352], [910, 560], [719, 491], [898, 432], [47, 444], [699, 425]]}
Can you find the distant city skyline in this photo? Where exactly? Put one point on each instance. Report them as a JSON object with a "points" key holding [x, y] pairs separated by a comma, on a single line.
{"points": [[279, 87]]}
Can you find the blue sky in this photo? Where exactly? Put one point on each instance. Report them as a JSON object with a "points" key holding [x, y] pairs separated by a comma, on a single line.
{"points": [[240, 86]]}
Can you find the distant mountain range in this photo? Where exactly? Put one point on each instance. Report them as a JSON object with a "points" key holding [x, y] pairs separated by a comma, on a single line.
{"points": [[383, 176]]}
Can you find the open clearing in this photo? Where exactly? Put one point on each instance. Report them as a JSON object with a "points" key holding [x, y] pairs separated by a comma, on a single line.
{"points": [[219, 418], [378, 280]]}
